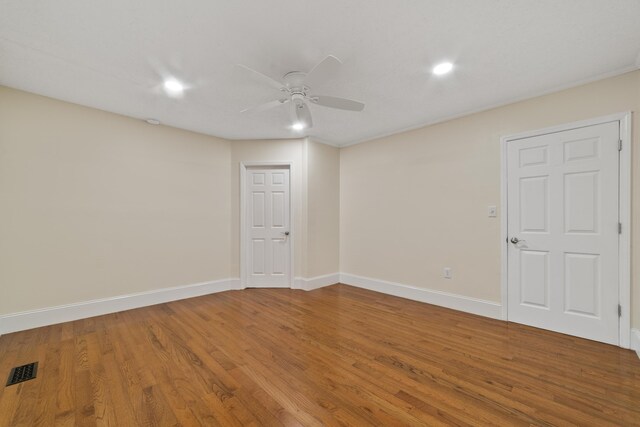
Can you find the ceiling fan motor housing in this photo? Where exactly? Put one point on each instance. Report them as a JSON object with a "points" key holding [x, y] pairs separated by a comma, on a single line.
{"points": [[294, 80], [298, 98]]}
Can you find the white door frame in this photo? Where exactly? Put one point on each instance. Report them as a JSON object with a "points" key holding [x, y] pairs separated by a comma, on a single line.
{"points": [[624, 212], [243, 217]]}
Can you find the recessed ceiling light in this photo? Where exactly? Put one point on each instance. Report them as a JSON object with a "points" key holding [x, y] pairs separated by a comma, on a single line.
{"points": [[173, 87], [152, 121], [298, 126], [442, 68]]}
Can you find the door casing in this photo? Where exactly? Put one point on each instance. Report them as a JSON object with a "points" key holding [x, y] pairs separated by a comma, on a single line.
{"points": [[624, 212], [243, 217]]}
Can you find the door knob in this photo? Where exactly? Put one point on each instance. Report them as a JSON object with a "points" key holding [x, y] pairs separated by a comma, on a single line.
{"points": [[514, 240], [286, 233]]}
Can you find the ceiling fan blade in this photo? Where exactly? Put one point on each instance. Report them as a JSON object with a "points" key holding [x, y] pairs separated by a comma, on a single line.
{"points": [[273, 82], [335, 102], [323, 72], [265, 106], [304, 115]]}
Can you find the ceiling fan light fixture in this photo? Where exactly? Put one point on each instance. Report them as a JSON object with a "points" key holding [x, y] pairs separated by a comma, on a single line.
{"points": [[298, 126], [442, 68]]}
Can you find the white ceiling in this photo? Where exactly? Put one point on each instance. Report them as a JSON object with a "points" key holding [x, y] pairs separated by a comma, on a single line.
{"points": [[113, 55]]}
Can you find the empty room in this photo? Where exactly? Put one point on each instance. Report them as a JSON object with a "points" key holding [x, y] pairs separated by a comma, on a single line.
{"points": [[320, 213]]}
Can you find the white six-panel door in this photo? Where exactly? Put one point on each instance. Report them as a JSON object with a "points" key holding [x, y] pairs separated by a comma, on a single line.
{"points": [[267, 221], [563, 231]]}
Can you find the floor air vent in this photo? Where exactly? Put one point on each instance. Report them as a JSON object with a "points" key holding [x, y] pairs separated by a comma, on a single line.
{"points": [[23, 373]]}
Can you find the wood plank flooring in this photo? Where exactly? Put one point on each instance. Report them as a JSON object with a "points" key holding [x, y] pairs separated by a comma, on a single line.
{"points": [[334, 356]]}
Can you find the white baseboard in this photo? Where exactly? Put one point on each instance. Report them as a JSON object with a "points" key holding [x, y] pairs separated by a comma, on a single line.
{"points": [[234, 284], [443, 299], [635, 340], [64, 313], [309, 284]]}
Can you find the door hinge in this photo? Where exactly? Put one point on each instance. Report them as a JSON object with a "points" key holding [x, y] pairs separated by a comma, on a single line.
{"points": [[619, 145], [619, 310], [619, 228]]}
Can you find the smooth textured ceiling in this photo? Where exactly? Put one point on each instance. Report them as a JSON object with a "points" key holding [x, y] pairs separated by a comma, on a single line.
{"points": [[113, 55]]}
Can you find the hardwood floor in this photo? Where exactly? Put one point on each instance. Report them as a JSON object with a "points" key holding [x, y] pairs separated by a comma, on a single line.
{"points": [[334, 356]]}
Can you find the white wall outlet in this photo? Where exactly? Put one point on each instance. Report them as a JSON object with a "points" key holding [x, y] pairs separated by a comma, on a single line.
{"points": [[446, 273], [492, 211]]}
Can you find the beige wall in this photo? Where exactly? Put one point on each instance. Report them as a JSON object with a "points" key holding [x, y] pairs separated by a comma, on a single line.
{"points": [[415, 202], [323, 210], [94, 204]]}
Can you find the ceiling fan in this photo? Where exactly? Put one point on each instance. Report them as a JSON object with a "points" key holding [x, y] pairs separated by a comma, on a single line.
{"points": [[296, 88]]}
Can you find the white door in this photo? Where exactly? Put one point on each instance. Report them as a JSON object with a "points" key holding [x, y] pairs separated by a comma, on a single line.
{"points": [[268, 245], [563, 231]]}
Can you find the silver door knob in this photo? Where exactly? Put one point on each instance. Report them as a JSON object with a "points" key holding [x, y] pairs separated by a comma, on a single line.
{"points": [[286, 233], [514, 240]]}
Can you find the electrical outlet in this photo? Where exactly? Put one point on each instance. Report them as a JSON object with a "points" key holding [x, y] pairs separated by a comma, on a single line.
{"points": [[447, 274], [492, 211]]}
